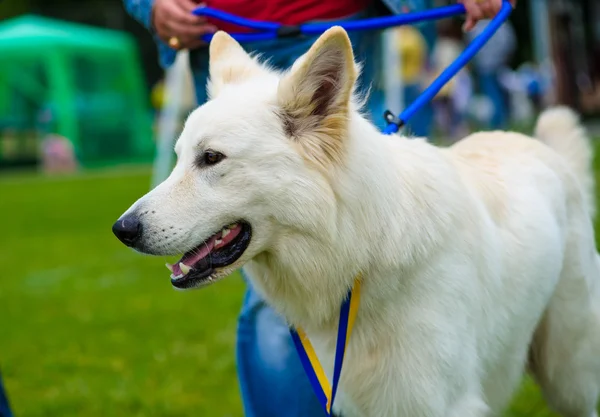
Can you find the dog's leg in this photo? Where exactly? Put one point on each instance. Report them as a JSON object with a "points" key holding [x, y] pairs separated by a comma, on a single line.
{"points": [[565, 352]]}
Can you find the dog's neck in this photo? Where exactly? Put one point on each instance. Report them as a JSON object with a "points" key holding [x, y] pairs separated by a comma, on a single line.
{"points": [[384, 191]]}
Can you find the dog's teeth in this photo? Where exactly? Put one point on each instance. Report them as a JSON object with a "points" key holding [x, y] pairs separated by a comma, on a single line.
{"points": [[169, 266], [184, 268], [225, 232], [218, 242], [177, 276]]}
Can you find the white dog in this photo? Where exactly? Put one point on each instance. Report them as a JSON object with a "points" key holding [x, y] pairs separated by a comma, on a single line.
{"points": [[477, 260]]}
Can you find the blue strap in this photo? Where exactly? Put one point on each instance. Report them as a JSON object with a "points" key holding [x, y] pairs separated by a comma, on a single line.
{"points": [[310, 371], [340, 347]]}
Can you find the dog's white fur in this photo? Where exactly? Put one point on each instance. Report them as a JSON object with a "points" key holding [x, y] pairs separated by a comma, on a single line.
{"points": [[477, 260]]}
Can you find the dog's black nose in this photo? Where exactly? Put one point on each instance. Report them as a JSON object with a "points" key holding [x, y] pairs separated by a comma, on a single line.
{"points": [[128, 229]]}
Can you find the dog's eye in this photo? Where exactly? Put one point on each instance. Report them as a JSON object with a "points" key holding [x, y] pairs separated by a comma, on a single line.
{"points": [[212, 157]]}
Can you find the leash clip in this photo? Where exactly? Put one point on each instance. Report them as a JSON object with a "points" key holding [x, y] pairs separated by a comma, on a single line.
{"points": [[392, 119]]}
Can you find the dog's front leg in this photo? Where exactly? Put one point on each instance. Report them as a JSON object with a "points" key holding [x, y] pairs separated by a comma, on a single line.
{"points": [[415, 391], [423, 371]]}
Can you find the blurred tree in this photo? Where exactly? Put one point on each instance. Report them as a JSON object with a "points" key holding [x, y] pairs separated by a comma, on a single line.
{"points": [[11, 8], [102, 13]]}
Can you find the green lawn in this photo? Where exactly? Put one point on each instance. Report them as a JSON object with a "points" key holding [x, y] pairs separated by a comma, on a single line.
{"points": [[89, 328]]}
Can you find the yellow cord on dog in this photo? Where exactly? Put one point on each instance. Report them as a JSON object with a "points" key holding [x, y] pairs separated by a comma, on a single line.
{"points": [[314, 370]]}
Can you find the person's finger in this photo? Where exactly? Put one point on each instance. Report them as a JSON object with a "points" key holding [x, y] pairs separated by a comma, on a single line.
{"points": [[189, 36], [162, 30], [496, 6], [473, 9], [180, 30], [469, 24], [469, 5], [191, 4], [477, 13], [195, 31], [188, 6], [487, 9], [201, 4], [184, 17]]}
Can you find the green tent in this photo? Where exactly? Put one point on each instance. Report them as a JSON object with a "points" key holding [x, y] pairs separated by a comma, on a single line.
{"points": [[81, 82]]}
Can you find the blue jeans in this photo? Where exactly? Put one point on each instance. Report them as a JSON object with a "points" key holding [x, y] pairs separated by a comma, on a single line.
{"points": [[272, 380], [4, 407], [489, 84]]}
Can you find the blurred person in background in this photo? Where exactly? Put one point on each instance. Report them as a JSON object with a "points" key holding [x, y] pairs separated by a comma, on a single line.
{"points": [[451, 103], [58, 155], [271, 377], [529, 89], [489, 65]]}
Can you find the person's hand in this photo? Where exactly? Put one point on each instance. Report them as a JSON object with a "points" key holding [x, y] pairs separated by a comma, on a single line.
{"points": [[175, 24], [481, 9]]}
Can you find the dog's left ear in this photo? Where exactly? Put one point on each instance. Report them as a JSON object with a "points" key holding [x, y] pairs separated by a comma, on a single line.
{"points": [[228, 63], [315, 95]]}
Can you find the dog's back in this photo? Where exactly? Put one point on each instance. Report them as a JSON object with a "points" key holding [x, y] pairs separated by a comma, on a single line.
{"points": [[496, 164], [524, 182]]}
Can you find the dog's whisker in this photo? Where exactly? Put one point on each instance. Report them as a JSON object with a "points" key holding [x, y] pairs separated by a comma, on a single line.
{"points": [[209, 254]]}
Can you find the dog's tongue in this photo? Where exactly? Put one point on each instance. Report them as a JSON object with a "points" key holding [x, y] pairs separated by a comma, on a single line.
{"points": [[217, 241], [194, 256]]}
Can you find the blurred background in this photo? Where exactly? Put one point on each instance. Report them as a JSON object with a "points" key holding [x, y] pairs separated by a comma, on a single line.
{"points": [[89, 328]]}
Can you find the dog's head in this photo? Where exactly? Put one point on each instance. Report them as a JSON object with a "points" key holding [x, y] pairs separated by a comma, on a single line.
{"points": [[251, 162]]}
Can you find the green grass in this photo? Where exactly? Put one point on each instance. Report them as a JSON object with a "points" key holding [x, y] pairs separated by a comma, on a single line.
{"points": [[89, 328]]}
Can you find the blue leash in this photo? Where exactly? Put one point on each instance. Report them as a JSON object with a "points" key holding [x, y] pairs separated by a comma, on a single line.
{"points": [[271, 30]]}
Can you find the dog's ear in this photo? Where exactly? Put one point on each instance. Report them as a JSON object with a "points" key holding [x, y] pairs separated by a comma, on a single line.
{"points": [[314, 96], [228, 63]]}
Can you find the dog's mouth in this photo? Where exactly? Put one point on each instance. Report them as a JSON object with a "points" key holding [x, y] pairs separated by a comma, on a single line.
{"points": [[204, 264]]}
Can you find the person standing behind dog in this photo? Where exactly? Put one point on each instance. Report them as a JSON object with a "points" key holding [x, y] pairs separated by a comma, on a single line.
{"points": [[270, 374]]}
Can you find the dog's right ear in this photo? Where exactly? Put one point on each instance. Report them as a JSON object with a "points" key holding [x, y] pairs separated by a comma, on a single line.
{"points": [[315, 97], [228, 63]]}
